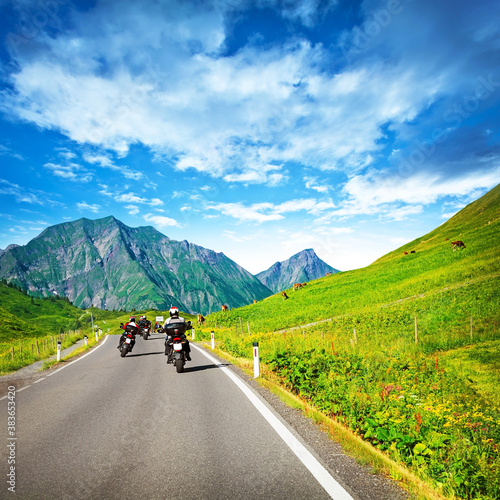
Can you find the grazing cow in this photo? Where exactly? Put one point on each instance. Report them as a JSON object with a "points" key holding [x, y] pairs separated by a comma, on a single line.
{"points": [[328, 274], [201, 319], [224, 307], [304, 284], [284, 295], [405, 253], [457, 244], [296, 286], [254, 301], [413, 251]]}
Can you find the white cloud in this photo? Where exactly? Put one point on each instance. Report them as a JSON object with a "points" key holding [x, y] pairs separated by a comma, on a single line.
{"points": [[266, 212], [26, 195], [71, 172], [160, 221], [106, 162], [134, 199], [252, 213], [312, 183], [132, 209], [5, 151], [253, 108], [91, 208]]}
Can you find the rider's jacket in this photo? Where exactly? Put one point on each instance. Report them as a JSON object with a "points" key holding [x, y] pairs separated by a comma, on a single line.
{"points": [[131, 327]]}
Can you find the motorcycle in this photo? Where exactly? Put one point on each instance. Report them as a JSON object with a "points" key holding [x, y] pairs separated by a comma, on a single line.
{"points": [[145, 333], [127, 341], [174, 345], [127, 344], [174, 349]]}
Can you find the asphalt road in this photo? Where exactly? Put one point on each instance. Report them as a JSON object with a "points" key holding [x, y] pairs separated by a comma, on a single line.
{"points": [[127, 428]]}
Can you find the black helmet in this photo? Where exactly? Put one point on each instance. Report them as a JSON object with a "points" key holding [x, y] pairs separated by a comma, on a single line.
{"points": [[174, 311]]}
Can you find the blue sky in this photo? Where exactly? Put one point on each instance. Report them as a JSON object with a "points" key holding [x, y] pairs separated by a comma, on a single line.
{"points": [[254, 128]]}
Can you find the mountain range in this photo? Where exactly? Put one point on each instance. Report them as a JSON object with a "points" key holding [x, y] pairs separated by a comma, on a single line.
{"points": [[106, 264]]}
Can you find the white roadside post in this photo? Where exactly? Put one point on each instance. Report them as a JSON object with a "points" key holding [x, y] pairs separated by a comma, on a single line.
{"points": [[59, 351], [213, 339], [95, 331], [85, 339], [256, 371], [192, 333]]}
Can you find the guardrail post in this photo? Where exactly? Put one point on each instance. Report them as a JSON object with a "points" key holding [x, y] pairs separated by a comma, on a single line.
{"points": [[59, 351], [256, 371], [212, 336], [85, 339]]}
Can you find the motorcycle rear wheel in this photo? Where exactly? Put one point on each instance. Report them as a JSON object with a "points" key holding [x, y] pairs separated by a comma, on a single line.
{"points": [[124, 350], [179, 365]]}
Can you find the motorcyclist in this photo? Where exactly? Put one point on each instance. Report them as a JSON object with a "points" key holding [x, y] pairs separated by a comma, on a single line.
{"points": [[131, 327], [144, 323], [175, 318]]}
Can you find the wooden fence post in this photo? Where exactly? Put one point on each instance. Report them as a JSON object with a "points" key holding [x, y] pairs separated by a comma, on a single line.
{"points": [[37, 348], [12, 353], [248, 326]]}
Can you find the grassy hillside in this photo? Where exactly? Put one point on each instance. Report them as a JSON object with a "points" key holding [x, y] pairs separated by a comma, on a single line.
{"points": [[442, 287], [403, 352], [24, 316], [32, 326]]}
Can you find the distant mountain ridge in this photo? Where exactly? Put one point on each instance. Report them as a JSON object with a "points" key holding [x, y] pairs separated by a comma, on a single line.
{"points": [[112, 266], [301, 267]]}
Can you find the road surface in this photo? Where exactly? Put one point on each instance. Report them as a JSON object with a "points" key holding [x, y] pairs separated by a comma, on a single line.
{"points": [[127, 428]]}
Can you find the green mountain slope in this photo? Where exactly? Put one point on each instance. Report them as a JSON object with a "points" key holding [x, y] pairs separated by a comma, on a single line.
{"points": [[111, 266], [24, 316], [457, 284]]}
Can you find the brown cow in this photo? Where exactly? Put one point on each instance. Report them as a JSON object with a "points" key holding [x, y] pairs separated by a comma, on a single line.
{"points": [[405, 253], [284, 295], [224, 307], [457, 244], [296, 286], [254, 301], [328, 274], [201, 319]]}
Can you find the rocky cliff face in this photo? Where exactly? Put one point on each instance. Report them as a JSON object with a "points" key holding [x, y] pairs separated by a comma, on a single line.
{"points": [[112, 266], [301, 267]]}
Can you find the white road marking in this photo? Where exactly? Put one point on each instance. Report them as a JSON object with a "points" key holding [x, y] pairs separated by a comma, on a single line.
{"points": [[79, 359], [62, 368], [332, 487]]}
